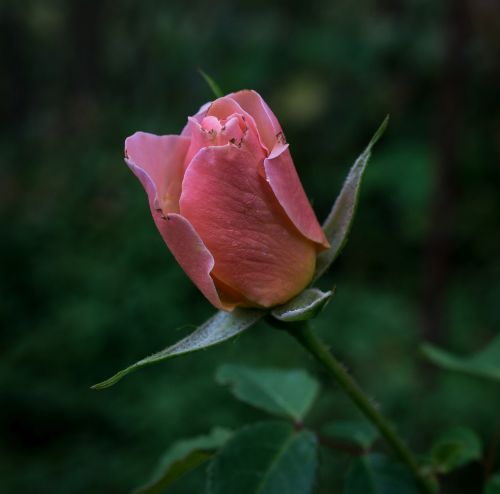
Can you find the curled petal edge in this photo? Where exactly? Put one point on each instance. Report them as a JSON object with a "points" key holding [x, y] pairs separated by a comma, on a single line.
{"points": [[284, 181], [198, 116], [267, 123], [183, 241], [161, 157]]}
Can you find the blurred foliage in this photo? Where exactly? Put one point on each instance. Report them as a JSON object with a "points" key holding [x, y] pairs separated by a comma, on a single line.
{"points": [[375, 473], [485, 363], [454, 448], [88, 287], [265, 458], [287, 393]]}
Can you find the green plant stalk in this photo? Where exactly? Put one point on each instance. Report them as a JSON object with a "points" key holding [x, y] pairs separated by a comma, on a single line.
{"points": [[335, 369]]}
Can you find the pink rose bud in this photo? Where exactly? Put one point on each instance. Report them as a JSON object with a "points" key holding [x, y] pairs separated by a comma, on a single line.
{"points": [[229, 204]]}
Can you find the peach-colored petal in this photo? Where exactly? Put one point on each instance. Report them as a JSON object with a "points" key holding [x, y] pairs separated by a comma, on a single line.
{"points": [[162, 159], [191, 253], [199, 139], [285, 183], [179, 235], [198, 116], [267, 123], [258, 252], [214, 132], [223, 108]]}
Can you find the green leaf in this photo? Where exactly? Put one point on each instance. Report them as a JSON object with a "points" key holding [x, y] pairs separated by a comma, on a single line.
{"points": [[221, 327], [339, 221], [493, 485], [376, 474], [286, 393], [306, 305], [455, 448], [182, 457], [212, 84], [265, 458], [358, 432], [485, 364]]}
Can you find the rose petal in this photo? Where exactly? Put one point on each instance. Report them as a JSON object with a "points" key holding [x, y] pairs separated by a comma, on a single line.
{"points": [[285, 183], [191, 253], [231, 131], [198, 116], [199, 139], [223, 108], [154, 160], [162, 158], [267, 123], [258, 252]]}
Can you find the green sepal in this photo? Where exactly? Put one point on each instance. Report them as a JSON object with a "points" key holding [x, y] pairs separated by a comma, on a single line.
{"points": [[306, 305], [339, 221], [219, 328], [212, 84]]}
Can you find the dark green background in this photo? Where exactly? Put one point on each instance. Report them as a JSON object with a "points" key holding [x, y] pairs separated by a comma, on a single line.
{"points": [[87, 285]]}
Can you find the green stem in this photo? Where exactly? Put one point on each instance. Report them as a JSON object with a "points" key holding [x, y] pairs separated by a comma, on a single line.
{"points": [[335, 369]]}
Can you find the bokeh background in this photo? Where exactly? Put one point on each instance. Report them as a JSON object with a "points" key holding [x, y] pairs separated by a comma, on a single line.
{"points": [[88, 287]]}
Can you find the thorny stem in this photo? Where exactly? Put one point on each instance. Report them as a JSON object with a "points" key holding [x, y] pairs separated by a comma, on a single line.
{"points": [[335, 369]]}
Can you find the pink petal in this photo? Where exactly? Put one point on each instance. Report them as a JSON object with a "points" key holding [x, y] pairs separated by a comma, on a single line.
{"points": [[191, 253], [162, 159], [285, 183], [230, 131], [267, 124], [199, 139], [198, 116], [223, 108], [257, 251], [154, 160]]}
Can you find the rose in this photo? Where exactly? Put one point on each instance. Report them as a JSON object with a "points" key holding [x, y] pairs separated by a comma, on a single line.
{"points": [[228, 202]]}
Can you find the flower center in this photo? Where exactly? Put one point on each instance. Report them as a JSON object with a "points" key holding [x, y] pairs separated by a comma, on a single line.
{"points": [[211, 124], [228, 130]]}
